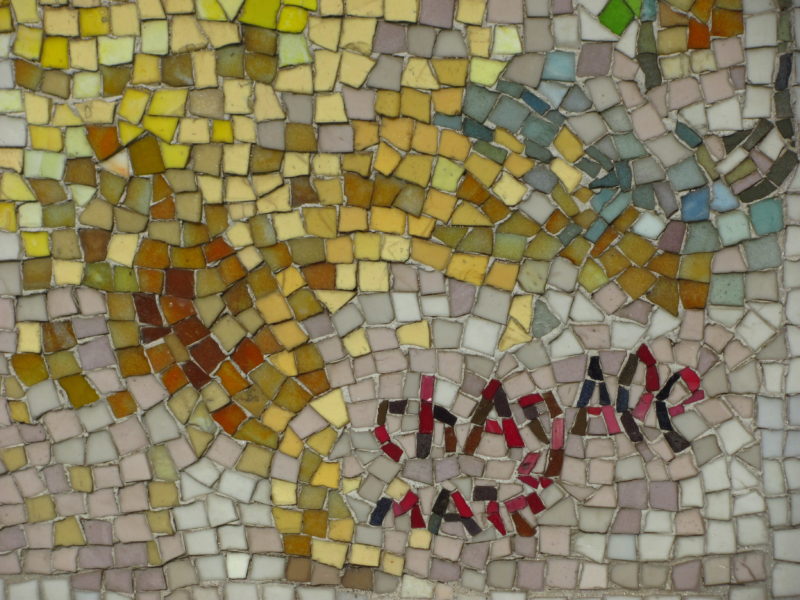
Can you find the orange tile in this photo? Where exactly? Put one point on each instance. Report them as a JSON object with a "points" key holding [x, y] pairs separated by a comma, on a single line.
{"points": [[174, 379], [726, 23], [160, 357], [229, 417], [230, 378], [699, 36], [122, 404]]}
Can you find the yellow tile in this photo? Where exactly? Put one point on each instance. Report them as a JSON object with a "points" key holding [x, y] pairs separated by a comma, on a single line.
{"points": [[289, 334], [83, 54], [36, 243], [25, 11], [297, 79], [569, 175], [389, 220], [439, 205], [471, 11], [237, 96], [468, 267], [387, 103], [513, 335], [162, 494], [507, 139], [346, 276], [506, 40], [326, 475], [339, 250], [356, 344], [431, 254], [395, 248], [292, 19], [393, 564], [94, 21], [331, 7], [478, 40], [421, 226], [67, 532], [426, 138], [325, 32], [399, 132], [483, 169], [454, 145], [175, 156], [168, 103], [8, 216], [341, 529], [592, 276], [361, 554], [386, 159], [419, 538], [446, 175], [146, 69], [273, 308], [46, 138], [518, 165], [191, 131], [124, 19], [55, 52], [502, 275], [415, 334], [326, 165], [365, 8], [522, 310], [326, 68], [162, 127], [186, 34], [451, 71], [329, 553], [568, 144], [14, 458], [415, 168], [331, 406], [485, 71], [357, 34], [510, 190], [283, 493], [28, 42], [373, 276], [276, 418], [291, 444], [330, 108], [397, 489], [415, 104], [40, 509], [122, 248], [419, 74], [288, 225], [321, 222], [296, 164], [287, 520], [354, 69], [367, 246], [322, 441], [365, 134], [7, 21], [448, 101], [352, 218], [401, 10]]}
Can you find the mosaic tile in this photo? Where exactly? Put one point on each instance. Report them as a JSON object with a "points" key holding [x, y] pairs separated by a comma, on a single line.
{"points": [[316, 300]]}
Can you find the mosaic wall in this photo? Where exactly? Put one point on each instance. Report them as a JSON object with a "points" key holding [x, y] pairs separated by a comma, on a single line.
{"points": [[352, 299]]}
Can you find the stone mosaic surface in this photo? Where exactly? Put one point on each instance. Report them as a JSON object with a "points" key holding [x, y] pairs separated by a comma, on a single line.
{"points": [[355, 299]]}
